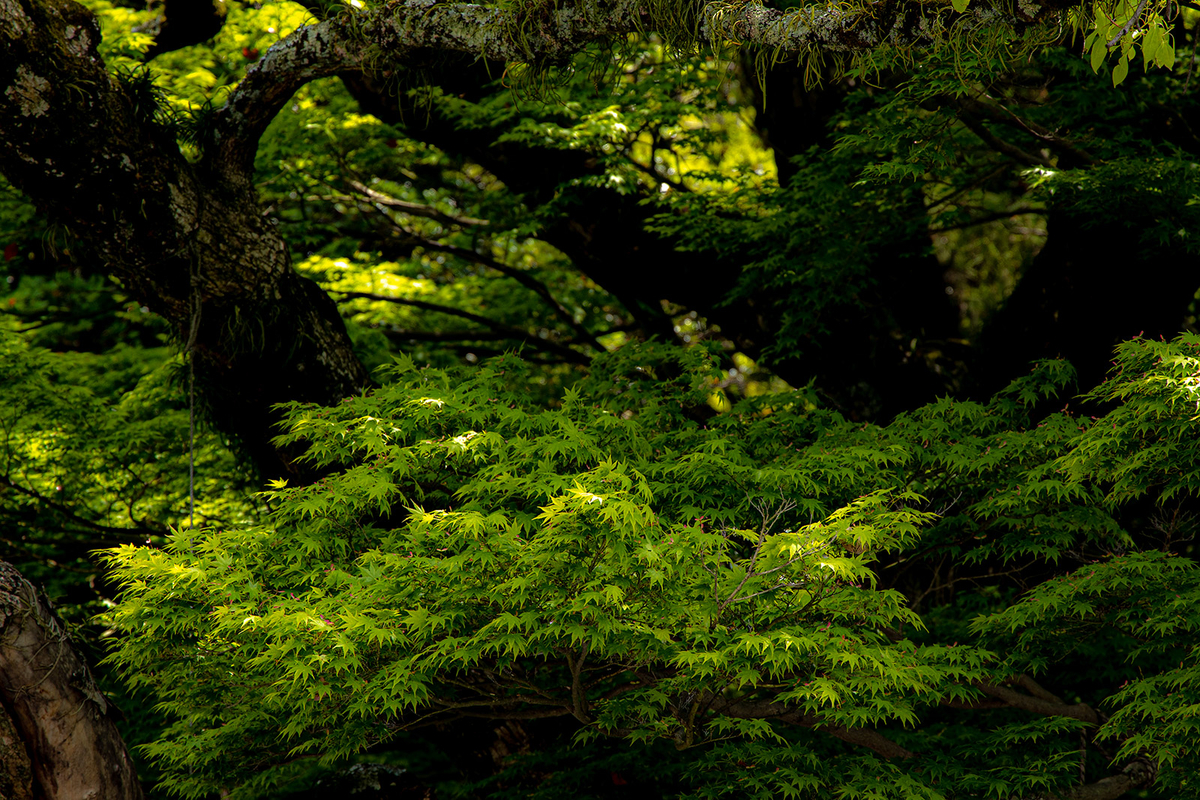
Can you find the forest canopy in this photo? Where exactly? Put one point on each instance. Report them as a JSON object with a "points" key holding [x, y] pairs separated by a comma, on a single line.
{"points": [[599, 399]]}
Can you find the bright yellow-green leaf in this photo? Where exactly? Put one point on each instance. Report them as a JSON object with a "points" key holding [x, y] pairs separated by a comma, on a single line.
{"points": [[1099, 52], [1151, 43], [1166, 53], [1120, 71]]}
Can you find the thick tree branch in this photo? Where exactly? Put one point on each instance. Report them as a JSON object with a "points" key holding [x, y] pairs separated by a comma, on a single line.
{"points": [[1036, 689], [381, 39], [60, 715], [1138, 774], [605, 240], [16, 774], [309, 53]]}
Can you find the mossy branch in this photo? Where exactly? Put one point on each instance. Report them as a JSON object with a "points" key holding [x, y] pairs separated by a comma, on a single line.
{"points": [[542, 34]]}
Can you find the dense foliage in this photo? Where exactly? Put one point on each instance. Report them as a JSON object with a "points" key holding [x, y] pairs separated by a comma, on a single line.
{"points": [[657, 577], [741, 425]]}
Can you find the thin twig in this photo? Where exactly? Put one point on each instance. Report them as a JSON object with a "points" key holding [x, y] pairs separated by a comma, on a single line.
{"points": [[1004, 114], [61, 509], [495, 325], [976, 126], [416, 209], [994, 217], [520, 276], [1137, 16], [1191, 61]]}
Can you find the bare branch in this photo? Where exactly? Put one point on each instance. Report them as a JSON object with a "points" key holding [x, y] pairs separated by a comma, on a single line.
{"points": [[976, 126], [121, 534], [523, 278], [769, 516], [998, 216], [1005, 115], [520, 276], [499, 327], [1041, 705], [416, 209]]}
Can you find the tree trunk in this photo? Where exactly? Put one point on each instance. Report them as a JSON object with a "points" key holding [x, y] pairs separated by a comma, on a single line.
{"points": [[57, 735], [188, 241], [1086, 291]]}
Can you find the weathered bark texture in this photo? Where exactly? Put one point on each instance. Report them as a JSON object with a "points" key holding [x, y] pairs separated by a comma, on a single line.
{"points": [[61, 719], [16, 775], [1139, 774], [553, 31]]}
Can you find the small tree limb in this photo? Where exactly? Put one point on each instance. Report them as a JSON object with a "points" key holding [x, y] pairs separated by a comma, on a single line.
{"points": [[499, 327], [1041, 705], [1134, 20]]}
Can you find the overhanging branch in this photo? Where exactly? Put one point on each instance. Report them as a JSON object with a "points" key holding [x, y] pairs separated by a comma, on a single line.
{"points": [[1036, 699], [415, 209], [379, 40]]}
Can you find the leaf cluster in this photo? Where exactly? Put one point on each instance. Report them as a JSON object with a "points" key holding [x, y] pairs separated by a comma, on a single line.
{"points": [[653, 575]]}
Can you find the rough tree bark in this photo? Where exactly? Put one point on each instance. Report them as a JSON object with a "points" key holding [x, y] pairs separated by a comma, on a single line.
{"points": [[67, 744], [16, 774]]}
